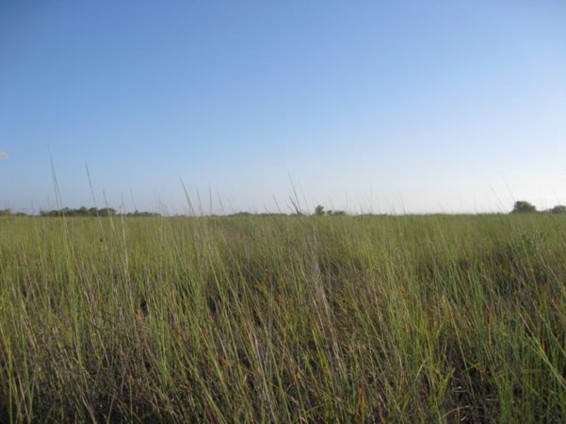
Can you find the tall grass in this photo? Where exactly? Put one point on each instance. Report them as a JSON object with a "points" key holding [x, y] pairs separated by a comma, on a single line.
{"points": [[283, 319]]}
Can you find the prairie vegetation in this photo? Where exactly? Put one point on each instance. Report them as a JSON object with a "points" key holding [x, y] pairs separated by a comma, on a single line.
{"points": [[283, 319]]}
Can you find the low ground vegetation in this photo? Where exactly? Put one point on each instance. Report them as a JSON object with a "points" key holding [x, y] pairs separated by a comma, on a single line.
{"points": [[283, 319]]}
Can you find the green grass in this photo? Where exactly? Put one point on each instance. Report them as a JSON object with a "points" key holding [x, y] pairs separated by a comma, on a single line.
{"points": [[283, 319]]}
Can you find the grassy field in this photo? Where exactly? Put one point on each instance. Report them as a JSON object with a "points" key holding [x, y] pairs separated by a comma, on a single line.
{"points": [[283, 319]]}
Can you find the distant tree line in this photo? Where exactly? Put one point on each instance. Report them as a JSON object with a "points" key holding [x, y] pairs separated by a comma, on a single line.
{"points": [[82, 211], [522, 206]]}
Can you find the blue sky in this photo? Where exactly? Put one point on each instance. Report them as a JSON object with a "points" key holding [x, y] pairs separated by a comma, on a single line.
{"points": [[405, 106]]}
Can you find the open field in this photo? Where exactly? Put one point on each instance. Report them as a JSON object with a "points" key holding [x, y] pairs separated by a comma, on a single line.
{"points": [[283, 319]]}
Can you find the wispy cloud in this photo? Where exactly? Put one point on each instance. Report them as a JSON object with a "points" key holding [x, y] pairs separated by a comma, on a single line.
{"points": [[3, 155]]}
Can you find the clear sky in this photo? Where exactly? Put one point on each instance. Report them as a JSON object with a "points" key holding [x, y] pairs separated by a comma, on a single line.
{"points": [[383, 106]]}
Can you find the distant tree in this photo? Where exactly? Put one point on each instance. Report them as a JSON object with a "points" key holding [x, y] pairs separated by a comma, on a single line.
{"points": [[558, 209], [522, 206], [336, 213], [82, 211], [107, 211], [5, 212], [319, 210]]}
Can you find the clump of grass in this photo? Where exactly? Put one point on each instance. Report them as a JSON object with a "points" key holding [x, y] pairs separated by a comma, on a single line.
{"points": [[283, 319]]}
